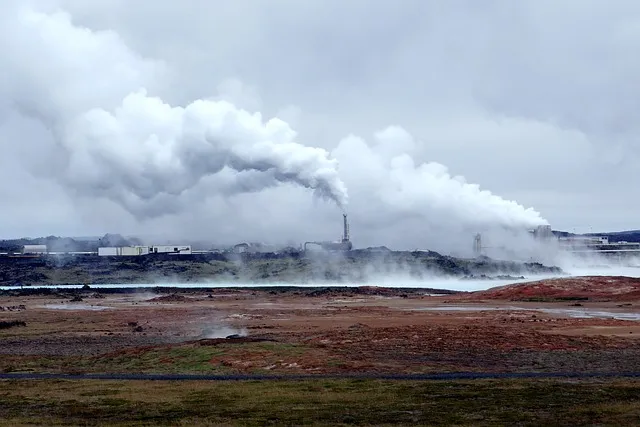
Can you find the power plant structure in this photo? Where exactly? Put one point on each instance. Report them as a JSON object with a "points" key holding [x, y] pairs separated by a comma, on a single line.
{"points": [[542, 232], [477, 244], [342, 245], [580, 244]]}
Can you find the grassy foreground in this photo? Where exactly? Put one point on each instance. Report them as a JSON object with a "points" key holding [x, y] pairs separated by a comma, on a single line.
{"points": [[320, 402]]}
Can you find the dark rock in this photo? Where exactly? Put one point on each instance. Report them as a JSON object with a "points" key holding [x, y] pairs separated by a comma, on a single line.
{"points": [[11, 323]]}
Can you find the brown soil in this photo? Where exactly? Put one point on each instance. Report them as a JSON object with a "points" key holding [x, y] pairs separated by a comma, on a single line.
{"points": [[590, 287], [299, 331], [169, 298]]}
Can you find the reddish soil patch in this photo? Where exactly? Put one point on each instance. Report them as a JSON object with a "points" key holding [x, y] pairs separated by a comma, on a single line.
{"points": [[595, 288], [369, 330], [169, 298]]}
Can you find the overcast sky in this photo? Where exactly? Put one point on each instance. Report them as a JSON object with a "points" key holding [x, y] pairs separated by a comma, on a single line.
{"points": [[534, 101]]}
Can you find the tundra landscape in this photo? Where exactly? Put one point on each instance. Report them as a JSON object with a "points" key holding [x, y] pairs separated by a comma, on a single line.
{"points": [[319, 213], [359, 343]]}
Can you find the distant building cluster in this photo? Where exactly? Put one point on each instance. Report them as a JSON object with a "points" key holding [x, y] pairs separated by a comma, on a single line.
{"points": [[144, 250], [116, 245], [39, 250], [570, 243], [583, 241]]}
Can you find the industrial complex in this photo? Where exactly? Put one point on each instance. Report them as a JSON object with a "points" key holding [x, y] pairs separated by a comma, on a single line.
{"points": [[572, 244], [578, 244], [343, 244]]}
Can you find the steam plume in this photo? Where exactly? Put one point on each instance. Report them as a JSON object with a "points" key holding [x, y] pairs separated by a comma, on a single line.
{"points": [[422, 189], [134, 148], [120, 142], [151, 148]]}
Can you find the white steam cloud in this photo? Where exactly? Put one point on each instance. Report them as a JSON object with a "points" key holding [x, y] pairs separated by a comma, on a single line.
{"points": [[422, 189], [140, 151], [146, 148], [120, 142]]}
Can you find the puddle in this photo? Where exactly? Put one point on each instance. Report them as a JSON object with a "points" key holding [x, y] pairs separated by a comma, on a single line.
{"points": [[467, 308], [76, 307], [575, 313], [592, 314]]}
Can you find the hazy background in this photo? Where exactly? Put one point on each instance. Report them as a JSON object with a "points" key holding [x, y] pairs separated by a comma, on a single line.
{"points": [[535, 101]]}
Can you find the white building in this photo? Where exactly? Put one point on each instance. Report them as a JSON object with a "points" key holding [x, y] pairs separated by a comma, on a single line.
{"points": [[145, 250], [123, 251], [34, 249], [171, 249]]}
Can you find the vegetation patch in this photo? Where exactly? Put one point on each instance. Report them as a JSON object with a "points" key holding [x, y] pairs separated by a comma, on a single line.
{"points": [[321, 402]]}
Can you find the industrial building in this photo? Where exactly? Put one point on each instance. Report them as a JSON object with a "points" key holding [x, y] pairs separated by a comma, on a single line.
{"points": [[171, 249], [145, 250], [342, 245], [581, 241], [542, 232], [123, 251], [34, 250]]}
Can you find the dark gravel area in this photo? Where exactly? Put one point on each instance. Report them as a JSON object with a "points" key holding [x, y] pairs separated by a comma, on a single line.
{"points": [[620, 360], [76, 346]]}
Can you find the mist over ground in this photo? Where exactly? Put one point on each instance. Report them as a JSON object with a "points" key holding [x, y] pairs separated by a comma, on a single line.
{"points": [[195, 133]]}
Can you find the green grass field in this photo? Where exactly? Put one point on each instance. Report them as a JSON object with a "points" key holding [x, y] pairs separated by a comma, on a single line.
{"points": [[320, 402]]}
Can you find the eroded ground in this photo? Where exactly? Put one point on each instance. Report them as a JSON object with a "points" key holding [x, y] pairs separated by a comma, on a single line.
{"points": [[316, 331]]}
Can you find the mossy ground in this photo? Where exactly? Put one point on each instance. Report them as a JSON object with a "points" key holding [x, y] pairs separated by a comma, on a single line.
{"points": [[320, 402]]}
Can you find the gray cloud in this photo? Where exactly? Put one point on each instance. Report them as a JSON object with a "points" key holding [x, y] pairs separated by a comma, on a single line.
{"points": [[531, 100]]}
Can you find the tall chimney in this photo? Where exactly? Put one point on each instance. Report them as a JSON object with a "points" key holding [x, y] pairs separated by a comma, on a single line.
{"points": [[345, 236]]}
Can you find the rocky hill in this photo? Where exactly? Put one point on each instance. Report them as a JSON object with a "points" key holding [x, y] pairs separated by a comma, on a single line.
{"points": [[358, 266], [594, 288]]}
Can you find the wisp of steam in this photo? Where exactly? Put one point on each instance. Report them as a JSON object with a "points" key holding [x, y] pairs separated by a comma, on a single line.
{"points": [[222, 331]]}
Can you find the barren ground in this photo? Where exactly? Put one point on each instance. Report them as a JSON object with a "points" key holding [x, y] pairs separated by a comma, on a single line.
{"points": [[317, 331]]}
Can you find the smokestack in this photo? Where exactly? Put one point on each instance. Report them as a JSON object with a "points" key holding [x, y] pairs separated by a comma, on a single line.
{"points": [[345, 236]]}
